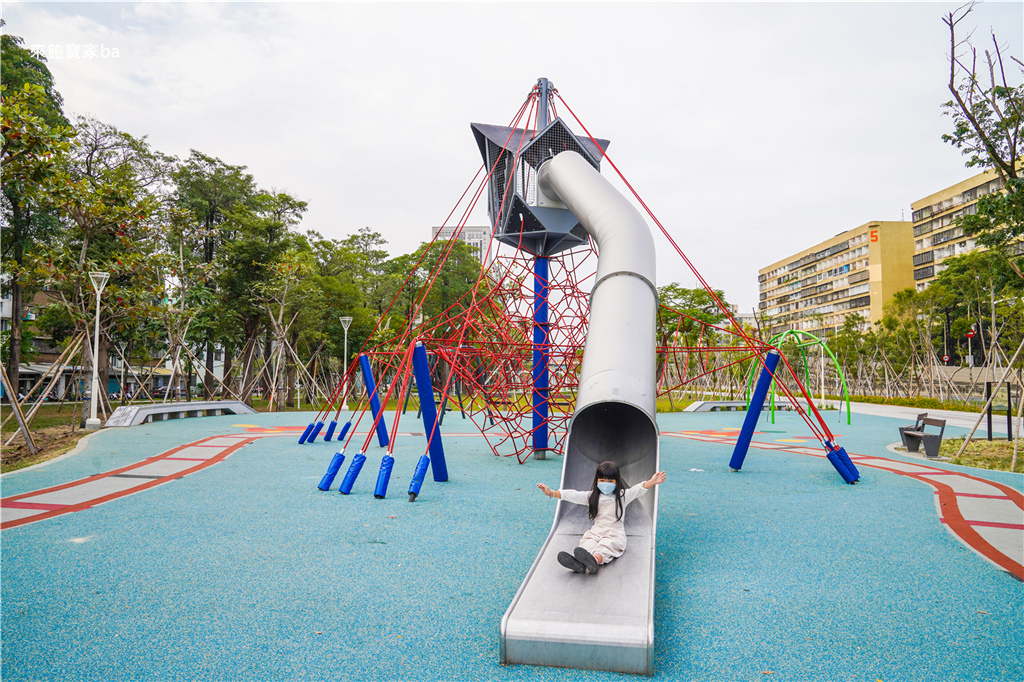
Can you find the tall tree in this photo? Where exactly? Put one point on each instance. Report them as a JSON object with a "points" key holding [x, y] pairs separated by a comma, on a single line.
{"points": [[988, 121], [208, 189], [35, 136], [111, 199], [262, 232]]}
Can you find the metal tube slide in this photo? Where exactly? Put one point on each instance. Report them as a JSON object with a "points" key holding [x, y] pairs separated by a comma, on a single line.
{"points": [[602, 622]]}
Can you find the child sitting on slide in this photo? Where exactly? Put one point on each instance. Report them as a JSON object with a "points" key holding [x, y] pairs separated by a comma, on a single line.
{"points": [[607, 500]]}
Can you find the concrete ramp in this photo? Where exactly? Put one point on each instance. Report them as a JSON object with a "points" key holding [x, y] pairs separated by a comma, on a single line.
{"points": [[603, 621]]}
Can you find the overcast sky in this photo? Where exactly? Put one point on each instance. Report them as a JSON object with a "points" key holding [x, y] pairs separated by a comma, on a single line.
{"points": [[751, 130]]}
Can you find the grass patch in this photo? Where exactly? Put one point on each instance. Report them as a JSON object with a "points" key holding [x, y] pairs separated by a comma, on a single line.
{"points": [[983, 454], [50, 442], [680, 404]]}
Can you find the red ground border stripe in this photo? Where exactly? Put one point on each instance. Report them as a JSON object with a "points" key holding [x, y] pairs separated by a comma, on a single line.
{"points": [[995, 524], [984, 497], [86, 504], [32, 505]]}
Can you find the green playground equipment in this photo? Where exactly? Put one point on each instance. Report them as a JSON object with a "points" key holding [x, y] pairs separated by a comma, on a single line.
{"points": [[803, 340]]}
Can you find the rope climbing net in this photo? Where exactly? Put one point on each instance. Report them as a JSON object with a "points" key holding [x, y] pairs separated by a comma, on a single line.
{"points": [[483, 347]]}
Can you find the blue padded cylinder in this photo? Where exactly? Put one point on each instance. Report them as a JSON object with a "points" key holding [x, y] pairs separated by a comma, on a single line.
{"points": [[305, 434], [833, 458], [375, 407], [845, 459], [352, 474], [330, 430], [316, 430], [332, 471], [344, 430], [841, 461], [387, 463], [428, 411], [764, 382], [418, 476]]}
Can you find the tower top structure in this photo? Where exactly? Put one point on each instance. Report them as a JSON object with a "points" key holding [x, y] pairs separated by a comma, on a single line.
{"points": [[521, 215]]}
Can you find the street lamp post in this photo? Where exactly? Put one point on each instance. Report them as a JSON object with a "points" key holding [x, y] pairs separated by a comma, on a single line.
{"points": [[99, 280], [345, 322]]}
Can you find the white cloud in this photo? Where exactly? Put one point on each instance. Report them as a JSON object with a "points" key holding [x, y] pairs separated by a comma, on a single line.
{"points": [[752, 130]]}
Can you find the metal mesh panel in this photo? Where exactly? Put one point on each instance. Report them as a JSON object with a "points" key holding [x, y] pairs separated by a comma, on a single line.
{"points": [[498, 159], [526, 183], [555, 140]]}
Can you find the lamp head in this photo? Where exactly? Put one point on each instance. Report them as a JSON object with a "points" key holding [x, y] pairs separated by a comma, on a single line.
{"points": [[345, 322], [99, 280]]}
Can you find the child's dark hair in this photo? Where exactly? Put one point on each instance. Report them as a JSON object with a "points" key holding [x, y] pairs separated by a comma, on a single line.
{"points": [[608, 470]]}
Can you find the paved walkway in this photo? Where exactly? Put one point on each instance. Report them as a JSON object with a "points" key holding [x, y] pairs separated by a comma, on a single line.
{"points": [[964, 420]]}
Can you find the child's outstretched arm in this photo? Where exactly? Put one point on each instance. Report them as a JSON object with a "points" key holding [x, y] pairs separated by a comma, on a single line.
{"points": [[549, 492], [654, 480]]}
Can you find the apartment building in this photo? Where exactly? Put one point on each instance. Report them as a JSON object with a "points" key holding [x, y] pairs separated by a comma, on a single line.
{"points": [[935, 236], [477, 237], [856, 271]]}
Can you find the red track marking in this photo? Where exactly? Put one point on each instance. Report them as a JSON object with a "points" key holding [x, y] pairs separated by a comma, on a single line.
{"points": [[994, 524], [948, 505], [987, 497], [48, 511], [33, 505]]}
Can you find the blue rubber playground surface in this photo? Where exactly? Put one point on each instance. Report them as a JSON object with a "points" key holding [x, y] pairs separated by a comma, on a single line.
{"points": [[245, 571]]}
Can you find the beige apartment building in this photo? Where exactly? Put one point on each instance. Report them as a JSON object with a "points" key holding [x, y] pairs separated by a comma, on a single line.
{"points": [[856, 271], [479, 237], [935, 237]]}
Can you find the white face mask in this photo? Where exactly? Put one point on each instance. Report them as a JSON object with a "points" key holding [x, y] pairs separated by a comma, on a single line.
{"points": [[606, 487]]}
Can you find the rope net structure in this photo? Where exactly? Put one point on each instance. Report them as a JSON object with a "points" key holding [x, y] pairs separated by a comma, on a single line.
{"points": [[481, 347]]}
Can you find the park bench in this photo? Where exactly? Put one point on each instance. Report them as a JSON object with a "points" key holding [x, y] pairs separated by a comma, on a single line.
{"points": [[931, 441], [916, 426]]}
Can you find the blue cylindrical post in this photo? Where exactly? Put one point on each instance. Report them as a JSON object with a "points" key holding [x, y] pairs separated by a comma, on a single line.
{"points": [[839, 459], [305, 434], [332, 471], [764, 382], [387, 463], [316, 430], [541, 285], [352, 474], [371, 390], [417, 477], [421, 370], [330, 430], [344, 430]]}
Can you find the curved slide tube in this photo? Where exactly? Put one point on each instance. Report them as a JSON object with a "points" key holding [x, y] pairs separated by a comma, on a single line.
{"points": [[603, 621]]}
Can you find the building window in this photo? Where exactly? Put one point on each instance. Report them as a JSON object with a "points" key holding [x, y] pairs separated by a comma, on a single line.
{"points": [[924, 273], [860, 302]]}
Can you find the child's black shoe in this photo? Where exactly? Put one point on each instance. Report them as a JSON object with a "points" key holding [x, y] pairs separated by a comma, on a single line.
{"points": [[586, 559], [566, 560]]}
